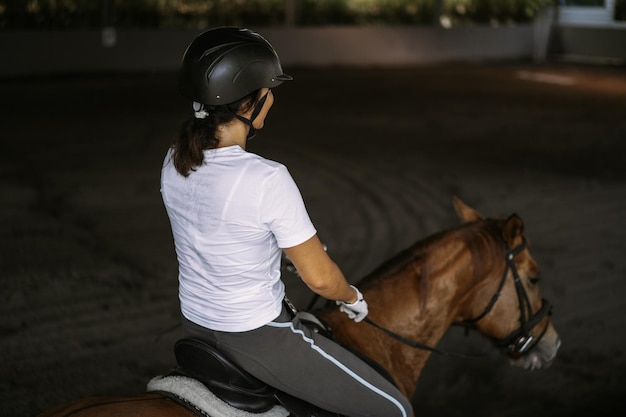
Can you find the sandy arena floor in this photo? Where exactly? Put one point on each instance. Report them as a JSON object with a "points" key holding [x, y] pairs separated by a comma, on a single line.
{"points": [[88, 282]]}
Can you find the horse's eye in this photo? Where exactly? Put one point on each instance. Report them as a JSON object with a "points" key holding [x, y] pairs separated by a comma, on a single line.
{"points": [[534, 280]]}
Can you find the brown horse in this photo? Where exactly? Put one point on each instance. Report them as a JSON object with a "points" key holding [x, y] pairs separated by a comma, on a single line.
{"points": [[480, 274]]}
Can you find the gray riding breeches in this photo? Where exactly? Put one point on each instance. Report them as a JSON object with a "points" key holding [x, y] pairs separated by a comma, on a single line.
{"points": [[292, 358]]}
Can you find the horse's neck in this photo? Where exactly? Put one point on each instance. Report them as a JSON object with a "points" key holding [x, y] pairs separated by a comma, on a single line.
{"points": [[424, 297], [419, 300]]}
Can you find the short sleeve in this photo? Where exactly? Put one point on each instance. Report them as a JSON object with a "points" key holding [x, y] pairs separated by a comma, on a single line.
{"points": [[283, 210]]}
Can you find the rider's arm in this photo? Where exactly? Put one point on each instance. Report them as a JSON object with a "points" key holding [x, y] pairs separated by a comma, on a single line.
{"points": [[319, 272]]}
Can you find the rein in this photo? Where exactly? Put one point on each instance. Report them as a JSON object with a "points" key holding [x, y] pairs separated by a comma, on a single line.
{"points": [[419, 345], [518, 342]]}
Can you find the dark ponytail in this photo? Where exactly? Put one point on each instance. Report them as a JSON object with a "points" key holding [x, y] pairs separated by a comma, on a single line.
{"points": [[197, 135]]}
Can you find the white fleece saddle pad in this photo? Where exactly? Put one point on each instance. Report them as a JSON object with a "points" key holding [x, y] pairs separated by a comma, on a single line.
{"points": [[201, 397]]}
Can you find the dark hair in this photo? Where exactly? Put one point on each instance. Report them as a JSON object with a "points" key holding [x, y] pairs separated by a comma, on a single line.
{"points": [[197, 135]]}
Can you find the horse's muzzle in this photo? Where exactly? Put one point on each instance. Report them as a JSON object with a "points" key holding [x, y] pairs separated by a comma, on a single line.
{"points": [[541, 355]]}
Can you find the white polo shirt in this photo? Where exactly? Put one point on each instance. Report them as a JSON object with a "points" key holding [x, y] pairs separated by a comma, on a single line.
{"points": [[229, 220]]}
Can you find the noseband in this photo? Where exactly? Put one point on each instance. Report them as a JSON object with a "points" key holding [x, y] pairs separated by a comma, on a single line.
{"points": [[519, 341]]}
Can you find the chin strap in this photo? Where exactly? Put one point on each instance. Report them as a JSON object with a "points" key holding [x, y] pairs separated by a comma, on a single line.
{"points": [[251, 130], [255, 113]]}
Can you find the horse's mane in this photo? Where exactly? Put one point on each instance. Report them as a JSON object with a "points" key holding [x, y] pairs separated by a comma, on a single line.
{"points": [[485, 242], [482, 238]]}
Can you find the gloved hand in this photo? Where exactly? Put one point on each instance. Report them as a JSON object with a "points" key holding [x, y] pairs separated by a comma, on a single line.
{"points": [[357, 310]]}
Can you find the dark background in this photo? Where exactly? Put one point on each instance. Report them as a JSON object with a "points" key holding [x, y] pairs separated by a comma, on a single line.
{"points": [[88, 299]]}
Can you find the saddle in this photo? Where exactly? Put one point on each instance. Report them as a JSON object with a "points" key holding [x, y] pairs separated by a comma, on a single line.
{"points": [[199, 360]]}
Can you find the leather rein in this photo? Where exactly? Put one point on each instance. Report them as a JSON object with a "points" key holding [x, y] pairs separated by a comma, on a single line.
{"points": [[519, 341]]}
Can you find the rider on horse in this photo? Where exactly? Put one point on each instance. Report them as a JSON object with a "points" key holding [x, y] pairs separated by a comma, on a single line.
{"points": [[232, 214]]}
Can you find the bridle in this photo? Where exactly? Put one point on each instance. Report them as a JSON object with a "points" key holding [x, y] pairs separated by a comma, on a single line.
{"points": [[518, 342]]}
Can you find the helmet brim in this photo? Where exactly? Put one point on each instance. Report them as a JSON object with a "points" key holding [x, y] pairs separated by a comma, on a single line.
{"points": [[284, 77]]}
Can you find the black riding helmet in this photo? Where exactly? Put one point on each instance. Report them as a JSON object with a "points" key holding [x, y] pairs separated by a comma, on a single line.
{"points": [[225, 64]]}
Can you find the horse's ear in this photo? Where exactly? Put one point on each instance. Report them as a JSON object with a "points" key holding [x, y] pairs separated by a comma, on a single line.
{"points": [[513, 230], [465, 212]]}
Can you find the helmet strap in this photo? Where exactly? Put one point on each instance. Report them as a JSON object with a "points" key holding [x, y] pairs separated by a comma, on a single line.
{"points": [[257, 109], [251, 130]]}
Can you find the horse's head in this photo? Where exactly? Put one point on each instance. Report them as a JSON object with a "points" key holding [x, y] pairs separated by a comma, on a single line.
{"points": [[506, 304]]}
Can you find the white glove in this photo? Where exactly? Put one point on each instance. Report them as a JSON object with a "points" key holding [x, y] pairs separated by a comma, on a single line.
{"points": [[357, 310]]}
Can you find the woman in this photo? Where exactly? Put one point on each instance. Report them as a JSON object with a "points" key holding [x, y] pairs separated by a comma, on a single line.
{"points": [[232, 214]]}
